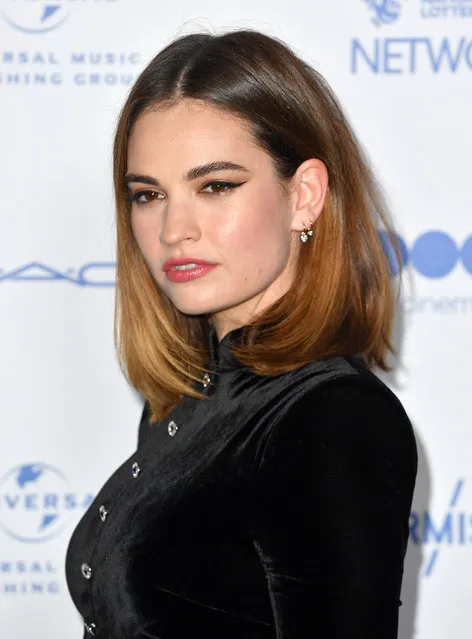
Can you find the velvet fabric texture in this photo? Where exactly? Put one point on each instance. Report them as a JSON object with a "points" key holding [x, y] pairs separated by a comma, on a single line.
{"points": [[278, 509]]}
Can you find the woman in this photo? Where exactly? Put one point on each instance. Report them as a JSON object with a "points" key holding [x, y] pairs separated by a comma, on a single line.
{"points": [[271, 487]]}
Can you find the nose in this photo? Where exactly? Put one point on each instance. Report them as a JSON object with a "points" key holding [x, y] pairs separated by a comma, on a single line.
{"points": [[179, 224]]}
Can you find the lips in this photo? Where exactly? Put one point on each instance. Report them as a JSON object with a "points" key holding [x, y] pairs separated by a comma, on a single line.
{"points": [[180, 261], [186, 275]]}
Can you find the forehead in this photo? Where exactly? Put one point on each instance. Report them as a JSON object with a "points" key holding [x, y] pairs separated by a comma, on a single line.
{"points": [[190, 130]]}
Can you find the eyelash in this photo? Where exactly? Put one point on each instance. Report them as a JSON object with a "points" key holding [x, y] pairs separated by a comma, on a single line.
{"points": [[229, 186]]}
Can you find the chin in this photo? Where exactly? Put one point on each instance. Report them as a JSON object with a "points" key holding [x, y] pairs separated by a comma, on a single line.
{"points": [[194, 309], [202, 308]]}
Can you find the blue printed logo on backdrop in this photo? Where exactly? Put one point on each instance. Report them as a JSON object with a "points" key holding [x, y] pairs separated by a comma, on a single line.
{"points": [[410, 54], [433, 254], [37, 17], [89, 274], [384, 11], [37, 501], [452, 528], [51, 68], [445, 9]]}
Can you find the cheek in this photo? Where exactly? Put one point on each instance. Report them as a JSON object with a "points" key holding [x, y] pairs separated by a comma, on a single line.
{"points": [[257, 240], [257, 215]]}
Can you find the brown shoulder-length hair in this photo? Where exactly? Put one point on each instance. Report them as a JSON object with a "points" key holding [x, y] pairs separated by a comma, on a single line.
{"points": [[341, 302]]}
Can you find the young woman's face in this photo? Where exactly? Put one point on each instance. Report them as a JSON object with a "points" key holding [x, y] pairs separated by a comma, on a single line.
{"points": [[238, 219]]}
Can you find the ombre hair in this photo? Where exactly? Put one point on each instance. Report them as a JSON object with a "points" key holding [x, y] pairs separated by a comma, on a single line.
{"points": [[341, 301]]}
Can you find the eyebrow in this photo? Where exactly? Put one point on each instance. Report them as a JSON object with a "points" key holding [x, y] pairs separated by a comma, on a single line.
{"points": [[191, 174]]}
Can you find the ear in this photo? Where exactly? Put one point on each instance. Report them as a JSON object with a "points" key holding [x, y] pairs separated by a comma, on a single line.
{"points": [[309, 186]]}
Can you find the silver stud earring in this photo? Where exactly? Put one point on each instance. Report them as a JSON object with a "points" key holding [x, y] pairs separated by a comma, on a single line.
{"points": [[306, 233]]}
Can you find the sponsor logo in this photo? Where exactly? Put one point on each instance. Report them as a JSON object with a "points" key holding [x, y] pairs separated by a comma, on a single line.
{"points": [[33, 17], [89, 274], [433, 254], [393, 56], [37, 502], [451, 528], [387, 12], [384, 11], [36, 16], [29, 576], [80, 68], [445, 9], [407, 54]]}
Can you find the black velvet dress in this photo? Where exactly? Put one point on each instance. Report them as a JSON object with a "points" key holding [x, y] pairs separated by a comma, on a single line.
{"points": [[277, 509]]}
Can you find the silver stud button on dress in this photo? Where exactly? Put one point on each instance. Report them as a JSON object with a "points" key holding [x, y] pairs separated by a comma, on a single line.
{"points": [[86, 571], [172, 428]]}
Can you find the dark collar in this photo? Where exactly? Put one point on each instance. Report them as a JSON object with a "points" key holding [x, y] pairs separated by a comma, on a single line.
{"points": [[221, 357]]}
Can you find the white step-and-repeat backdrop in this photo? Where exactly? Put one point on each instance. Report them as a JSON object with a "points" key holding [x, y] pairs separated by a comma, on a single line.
{"points": [[402, 71]]}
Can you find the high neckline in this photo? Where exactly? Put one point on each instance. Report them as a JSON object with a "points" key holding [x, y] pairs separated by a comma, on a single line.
{"points": [[220, 356], [222, 359]]}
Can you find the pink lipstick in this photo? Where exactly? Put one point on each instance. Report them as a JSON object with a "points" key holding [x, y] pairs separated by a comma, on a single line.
{"points": [[185, 269]]}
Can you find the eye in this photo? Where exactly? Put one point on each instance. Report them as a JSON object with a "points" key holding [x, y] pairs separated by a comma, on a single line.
{"points": [[136, 197], [142, 198], [218, 188]]}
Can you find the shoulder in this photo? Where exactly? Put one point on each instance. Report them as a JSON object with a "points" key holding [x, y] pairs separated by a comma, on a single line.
{"points": [[353, 391], [347, 389], [352, 414]]}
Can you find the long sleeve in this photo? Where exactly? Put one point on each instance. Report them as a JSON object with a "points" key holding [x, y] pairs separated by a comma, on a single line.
{"points": [[333, 493]]}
